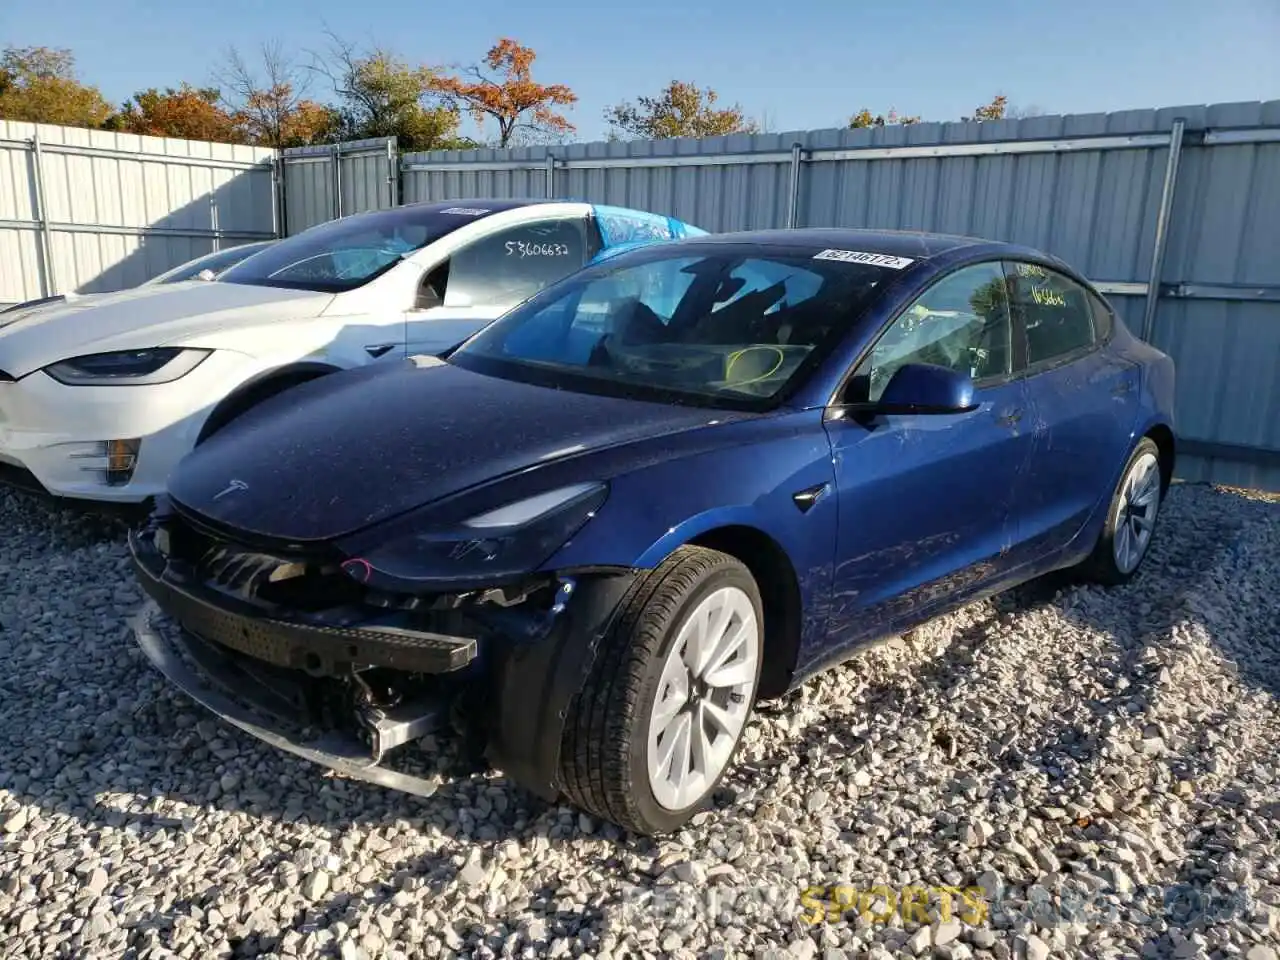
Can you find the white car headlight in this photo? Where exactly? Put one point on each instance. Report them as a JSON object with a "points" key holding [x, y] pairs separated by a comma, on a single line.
{"points": [[127, 367]]}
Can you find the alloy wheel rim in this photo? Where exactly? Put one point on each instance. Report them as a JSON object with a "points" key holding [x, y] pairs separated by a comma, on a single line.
{"points": [[1136, 515], [703, 698]]}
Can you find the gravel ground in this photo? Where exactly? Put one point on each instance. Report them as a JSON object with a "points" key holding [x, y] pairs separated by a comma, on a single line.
{"points": [[1105, 766]]}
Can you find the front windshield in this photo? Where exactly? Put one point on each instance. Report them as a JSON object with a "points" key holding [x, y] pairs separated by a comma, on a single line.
{"points": [[217, 261], [730, 324], [344, 254]]}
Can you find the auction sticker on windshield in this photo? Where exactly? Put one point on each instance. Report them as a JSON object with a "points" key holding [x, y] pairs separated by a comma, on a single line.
{"points": [[858, 256]]}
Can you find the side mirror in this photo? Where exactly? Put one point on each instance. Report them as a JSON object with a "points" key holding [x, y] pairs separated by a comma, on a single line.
{"points": [[924, 388]]}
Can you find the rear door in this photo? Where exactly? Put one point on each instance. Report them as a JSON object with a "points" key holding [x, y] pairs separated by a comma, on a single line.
{"points": [[486, 278], [1082, 399]]}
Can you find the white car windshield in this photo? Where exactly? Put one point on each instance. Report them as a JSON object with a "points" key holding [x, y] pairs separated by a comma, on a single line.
{"points": [[347, 253]]}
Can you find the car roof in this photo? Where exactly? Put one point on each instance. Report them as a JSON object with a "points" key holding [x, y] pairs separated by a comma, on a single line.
{"points": [[487, 204], [919, 245]]}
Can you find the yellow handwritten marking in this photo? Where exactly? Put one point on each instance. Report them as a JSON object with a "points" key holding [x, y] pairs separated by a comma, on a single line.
{"points": [[1047, 298], [733, 358]]}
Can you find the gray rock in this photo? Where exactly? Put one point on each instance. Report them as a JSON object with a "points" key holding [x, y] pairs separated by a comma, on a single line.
{"points": [[919, 941], [316, 885]]}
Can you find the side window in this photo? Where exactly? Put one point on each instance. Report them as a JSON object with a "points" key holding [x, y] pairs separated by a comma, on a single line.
{"points": [[1102, 319], [961, 322], [1056, 312], [505, 268]]}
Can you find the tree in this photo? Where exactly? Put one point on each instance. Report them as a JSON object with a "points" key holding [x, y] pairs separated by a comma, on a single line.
{"points": [[270, 103], [382, 96], [995, 110], [680, 110], [188, 113], [502, 89], [863, 119], [39, 85]]}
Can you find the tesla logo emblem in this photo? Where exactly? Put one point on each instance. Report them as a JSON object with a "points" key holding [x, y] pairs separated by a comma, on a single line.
{"points": [[232, 487]]}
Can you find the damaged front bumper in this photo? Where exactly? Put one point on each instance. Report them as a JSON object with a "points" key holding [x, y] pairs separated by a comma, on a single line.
{"points": [[259, 631], [259, 667], [222, 685]]}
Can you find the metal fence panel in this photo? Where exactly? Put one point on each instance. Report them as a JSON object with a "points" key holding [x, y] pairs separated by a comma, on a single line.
{"points": [[333, 180], [89, 210]]}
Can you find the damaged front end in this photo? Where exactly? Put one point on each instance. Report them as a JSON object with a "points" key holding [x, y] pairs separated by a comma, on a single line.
{"points": [[291, 648]]}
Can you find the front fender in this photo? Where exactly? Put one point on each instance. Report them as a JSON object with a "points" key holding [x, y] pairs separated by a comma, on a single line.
{"points": [[696, 526]]}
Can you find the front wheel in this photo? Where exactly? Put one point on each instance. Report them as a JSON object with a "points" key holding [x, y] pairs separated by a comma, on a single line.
{"points": [[1131, 518], [659, 719]]}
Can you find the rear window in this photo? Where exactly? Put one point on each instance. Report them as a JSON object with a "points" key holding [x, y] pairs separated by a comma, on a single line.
{"points": [[347, 253], [1055, 310]]}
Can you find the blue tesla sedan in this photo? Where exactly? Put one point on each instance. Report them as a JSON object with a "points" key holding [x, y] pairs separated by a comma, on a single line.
{"points": [[683, 479]]}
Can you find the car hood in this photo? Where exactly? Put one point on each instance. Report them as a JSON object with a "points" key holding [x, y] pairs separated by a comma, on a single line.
{"points": [[339, 454], [141, 317]]}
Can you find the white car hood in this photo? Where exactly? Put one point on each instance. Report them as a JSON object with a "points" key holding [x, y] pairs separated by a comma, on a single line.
{"points": [[142, 317]]}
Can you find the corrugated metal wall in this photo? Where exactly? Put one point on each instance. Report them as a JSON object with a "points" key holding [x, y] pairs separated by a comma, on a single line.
{"points": [[325, 182], [1088, 188], [89, 210]]}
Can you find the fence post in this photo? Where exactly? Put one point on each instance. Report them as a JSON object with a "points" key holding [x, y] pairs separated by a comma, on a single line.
{"points": [[1162, 228], [277, 192], [393, 174], [49, 286], [213, 222], [551, 176], [337, 180], [793, 185]]}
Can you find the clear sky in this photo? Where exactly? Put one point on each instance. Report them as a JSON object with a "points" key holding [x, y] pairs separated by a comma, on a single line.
{"points": [[795, 65]]}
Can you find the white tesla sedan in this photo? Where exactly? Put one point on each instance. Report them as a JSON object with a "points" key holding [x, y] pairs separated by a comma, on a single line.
{"points": [[100, 398]]}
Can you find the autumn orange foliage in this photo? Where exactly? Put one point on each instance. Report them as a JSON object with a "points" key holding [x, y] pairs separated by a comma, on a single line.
{"points": [[188, 113], [508, 93]]}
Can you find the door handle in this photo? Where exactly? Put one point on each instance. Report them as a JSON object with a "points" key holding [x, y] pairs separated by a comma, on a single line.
{"points": [[1009, 418], [376, 350]]}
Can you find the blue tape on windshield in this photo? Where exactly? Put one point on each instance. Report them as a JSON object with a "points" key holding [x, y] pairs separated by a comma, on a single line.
{"points": [[622, 228]]}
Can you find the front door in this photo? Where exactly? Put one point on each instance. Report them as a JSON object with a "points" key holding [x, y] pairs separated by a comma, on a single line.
{"points": [[926, 500], [489, 276]]}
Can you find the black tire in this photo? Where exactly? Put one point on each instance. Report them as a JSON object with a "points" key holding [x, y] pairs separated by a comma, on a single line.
{"points": [[1101, 565], [604, 750]]}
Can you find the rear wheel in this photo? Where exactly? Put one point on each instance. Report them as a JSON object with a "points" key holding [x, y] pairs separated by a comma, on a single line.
{"points": [[1131, 518], [661, 715]]}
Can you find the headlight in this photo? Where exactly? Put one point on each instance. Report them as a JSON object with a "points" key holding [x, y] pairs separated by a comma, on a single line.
{"points": [[133, 367], [490, 547]]}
